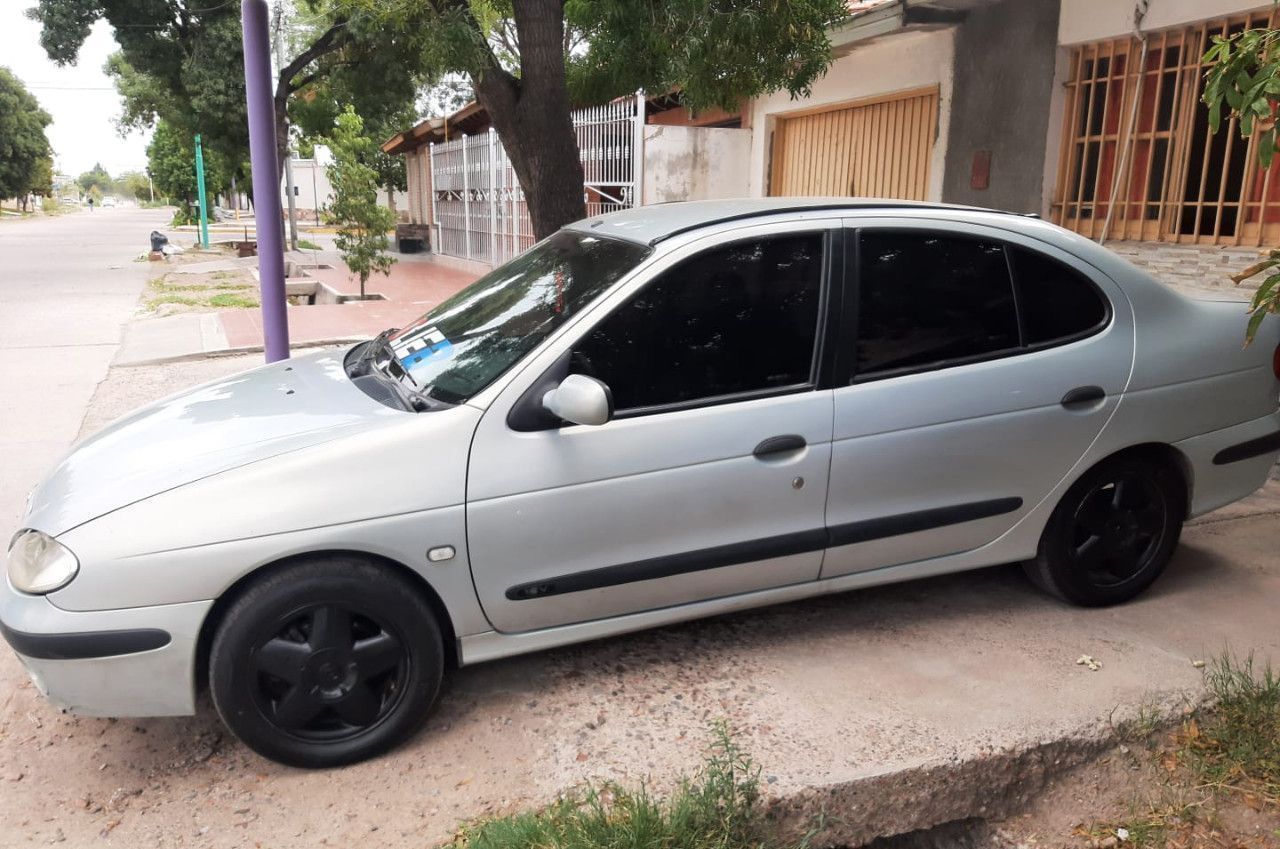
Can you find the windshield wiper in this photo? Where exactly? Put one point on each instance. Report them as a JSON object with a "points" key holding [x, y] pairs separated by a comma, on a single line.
{"points": [[391, 368]]}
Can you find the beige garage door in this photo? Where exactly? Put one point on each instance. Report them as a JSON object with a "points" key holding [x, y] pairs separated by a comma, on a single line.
{"points": [[876, 148]]}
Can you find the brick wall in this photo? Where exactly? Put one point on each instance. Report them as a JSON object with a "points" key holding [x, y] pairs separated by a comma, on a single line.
{"points": [[1192, 268]]}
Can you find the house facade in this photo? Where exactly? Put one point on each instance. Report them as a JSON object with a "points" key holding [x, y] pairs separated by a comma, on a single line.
{"points": [[1084, 111]]}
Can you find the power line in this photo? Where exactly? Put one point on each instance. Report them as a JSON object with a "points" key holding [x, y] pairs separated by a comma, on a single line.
{"points": [[71, 87]]}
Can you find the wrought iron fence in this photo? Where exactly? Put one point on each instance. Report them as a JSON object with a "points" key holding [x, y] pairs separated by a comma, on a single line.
{"points": [[478, 209]]}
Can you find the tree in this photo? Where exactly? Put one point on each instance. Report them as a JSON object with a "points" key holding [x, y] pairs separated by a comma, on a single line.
{"points": [[96, 178], [1244, 80], [180, 62], [25, 164], [530, 60], [133, 185], [362, 222], [171, 162], [42, 178]]}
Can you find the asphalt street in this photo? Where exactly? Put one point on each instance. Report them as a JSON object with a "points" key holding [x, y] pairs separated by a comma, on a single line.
{"points": [[68, 284]]}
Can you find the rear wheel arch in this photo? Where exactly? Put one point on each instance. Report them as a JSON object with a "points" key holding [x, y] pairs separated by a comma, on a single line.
{"points": [[1160, 453], [223, 603]]}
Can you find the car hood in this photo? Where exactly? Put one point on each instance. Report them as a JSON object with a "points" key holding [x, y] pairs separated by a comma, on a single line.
{"points": [[204, 431]]}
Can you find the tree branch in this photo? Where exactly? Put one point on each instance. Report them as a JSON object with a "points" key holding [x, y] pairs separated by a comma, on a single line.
{"points": [[334, 38]]}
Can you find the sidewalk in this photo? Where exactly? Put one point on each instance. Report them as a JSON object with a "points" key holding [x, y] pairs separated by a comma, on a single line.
{"points": [[417, 283]]}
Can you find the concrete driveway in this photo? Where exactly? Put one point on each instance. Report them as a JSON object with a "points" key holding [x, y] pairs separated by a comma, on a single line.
{"points": [[890, 709]]}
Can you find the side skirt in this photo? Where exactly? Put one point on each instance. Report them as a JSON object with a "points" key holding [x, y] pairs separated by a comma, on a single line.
{"points": [[495, 645]]}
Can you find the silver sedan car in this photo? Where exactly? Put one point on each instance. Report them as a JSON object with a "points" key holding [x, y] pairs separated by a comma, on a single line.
{"points": [[651, 416]]}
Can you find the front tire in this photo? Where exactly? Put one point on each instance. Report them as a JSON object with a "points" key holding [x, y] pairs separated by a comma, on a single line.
{"points": [[326, 662], [1112, 534]]}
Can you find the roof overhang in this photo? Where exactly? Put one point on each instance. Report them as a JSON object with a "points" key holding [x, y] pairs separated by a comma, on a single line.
{"points": [[470, 119], [872, 19]]}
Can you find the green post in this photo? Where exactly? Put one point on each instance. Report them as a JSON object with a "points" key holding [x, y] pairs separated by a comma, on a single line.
{"points": [[204, 212]]}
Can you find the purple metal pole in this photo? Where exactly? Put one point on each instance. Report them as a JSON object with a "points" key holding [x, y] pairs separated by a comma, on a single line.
{"points": [[266, 177]]}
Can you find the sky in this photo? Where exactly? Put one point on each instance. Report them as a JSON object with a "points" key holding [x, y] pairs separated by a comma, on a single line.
{"points": [[81, 99]]}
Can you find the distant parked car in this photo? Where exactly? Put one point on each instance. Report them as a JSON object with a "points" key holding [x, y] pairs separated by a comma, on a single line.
{"points": [[651, 416], [108, 202]]}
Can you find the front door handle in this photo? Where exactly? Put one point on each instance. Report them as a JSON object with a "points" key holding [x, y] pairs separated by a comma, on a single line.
{"points": [[1083, 397], [775, 445]]}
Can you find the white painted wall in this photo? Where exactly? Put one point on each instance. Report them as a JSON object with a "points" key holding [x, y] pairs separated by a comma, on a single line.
{"points": [[1094, 20], [695, 163], [311, 182], [896, 62]]}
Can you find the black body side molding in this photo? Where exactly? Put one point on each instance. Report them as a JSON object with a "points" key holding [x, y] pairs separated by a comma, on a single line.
{"points": [[1259, 447], [763, 549], [85, 644]]}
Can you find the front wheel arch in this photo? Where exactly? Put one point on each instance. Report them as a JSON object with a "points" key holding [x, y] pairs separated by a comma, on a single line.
{"points": [[214, 618]]}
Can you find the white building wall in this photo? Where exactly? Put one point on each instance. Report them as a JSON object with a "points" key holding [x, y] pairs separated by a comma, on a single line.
{"points": [[1095, 20], [313, 190], [695, 163], [895, 62]]}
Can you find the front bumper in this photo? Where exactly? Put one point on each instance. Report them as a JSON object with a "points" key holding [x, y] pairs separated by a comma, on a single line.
{"points": [[138, 661]]}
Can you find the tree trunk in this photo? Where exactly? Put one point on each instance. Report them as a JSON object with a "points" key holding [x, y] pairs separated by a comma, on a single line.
{"points": [[531, 116]]}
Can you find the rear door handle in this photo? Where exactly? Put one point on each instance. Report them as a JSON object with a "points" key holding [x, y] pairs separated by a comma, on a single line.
{"points": [[779, 445], [1083, 396]]}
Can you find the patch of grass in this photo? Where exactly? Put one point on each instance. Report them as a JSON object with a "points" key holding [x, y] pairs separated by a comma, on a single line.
{"points": [[308, 245], [1172, 816], [230, 299], [1237, 745], [717, 809], [1143, 725], [169, 298]]}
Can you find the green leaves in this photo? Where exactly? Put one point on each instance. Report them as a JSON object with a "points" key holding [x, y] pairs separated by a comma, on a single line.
{"points": [[1244, 79], [24, 148], [717, 52]]}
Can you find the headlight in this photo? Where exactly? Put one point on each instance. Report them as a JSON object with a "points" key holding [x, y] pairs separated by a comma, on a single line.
{"points": [[40, 564]]}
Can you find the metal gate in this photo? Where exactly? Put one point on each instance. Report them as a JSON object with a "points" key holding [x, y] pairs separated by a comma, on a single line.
{"points": [[478, 208], [874, 148]]}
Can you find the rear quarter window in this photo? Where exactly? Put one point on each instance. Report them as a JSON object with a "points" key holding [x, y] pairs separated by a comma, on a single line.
{"points": [[1057, 302]]}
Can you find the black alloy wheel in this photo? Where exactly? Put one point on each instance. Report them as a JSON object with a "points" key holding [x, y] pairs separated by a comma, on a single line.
{"points": [[326, 662], [1113, 532], [329, 673]]}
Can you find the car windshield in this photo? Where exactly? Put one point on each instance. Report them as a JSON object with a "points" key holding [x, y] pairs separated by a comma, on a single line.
{"points": [[463, 345]]}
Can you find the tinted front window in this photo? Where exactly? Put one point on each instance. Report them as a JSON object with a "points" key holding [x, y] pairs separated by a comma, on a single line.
{"points": [[462, 345], [926, 299], [742, 318], [1056, 301]]}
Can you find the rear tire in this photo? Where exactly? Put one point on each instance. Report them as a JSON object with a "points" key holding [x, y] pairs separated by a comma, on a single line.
{"points": [[1112, 534], [326, 662]]}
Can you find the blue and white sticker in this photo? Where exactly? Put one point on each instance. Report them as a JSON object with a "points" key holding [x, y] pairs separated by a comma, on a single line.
{"points": [[421, 345]]}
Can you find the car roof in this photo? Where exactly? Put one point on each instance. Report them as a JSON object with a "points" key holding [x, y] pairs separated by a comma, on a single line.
{"points": [[656, 222]]}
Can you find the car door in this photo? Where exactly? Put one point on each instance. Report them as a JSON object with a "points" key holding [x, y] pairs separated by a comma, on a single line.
{"points": [[711, 477], [975, 368]]}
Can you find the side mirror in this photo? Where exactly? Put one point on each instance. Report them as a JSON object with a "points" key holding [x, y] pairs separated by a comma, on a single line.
{"points": [[580, 400]]}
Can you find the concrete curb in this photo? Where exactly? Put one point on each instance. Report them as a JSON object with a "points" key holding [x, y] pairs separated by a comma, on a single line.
{"points": [[232, 352], [988, 787]]}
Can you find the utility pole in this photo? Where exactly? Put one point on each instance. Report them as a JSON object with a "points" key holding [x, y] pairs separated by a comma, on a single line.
{"points": [[204, 213], [288, 154], [266, 176]]}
